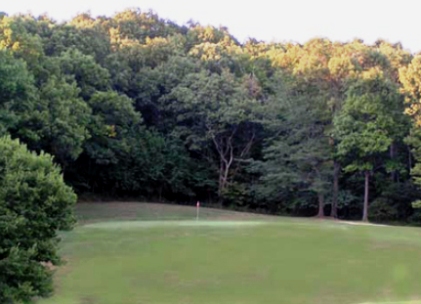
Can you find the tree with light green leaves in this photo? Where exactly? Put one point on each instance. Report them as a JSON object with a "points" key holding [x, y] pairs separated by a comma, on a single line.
{"points": [[365, 126]]}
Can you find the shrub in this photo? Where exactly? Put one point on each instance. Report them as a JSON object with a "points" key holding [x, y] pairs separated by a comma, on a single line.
{"points": [[34, 204], [382, 210], [415, 218], [237, 195]]}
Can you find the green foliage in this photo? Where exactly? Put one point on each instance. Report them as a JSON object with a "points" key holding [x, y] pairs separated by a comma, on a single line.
{"points": [[382, 211], [136, 105], [89, 75], [220, 116], [365, 125], [163, 169], [83, 34], [416, 204], [34, 204], [17, 38], [112, 123], [238, 195], [62, 118], [299, 155], [17, 94]]}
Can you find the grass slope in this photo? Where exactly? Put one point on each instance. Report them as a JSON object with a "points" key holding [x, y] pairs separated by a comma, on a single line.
{"points": [[234, 259]]}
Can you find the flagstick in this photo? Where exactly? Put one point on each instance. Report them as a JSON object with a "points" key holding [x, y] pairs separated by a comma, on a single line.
{"points": [[197, 210]]}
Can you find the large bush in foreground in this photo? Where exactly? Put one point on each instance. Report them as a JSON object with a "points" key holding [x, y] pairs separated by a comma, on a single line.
{"points": [[34, 204]]}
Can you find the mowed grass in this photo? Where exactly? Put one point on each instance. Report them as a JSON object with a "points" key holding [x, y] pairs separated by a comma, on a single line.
{"points": [[131, 253]]}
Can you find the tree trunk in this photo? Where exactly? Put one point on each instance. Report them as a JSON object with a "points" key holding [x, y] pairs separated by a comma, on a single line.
{"points": [[223, 179], [366, 193], [226, 158], [321, 205], [336, 171]]}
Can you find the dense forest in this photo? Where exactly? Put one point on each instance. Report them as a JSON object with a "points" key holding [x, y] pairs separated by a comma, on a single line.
{"points": [[137, 106]]}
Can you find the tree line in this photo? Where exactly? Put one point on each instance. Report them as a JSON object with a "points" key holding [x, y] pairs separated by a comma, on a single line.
{"points": [[134, 105]]}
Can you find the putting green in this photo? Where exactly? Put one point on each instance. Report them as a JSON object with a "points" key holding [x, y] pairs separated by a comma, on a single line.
{"points": [[155, 254], [153, 224]]}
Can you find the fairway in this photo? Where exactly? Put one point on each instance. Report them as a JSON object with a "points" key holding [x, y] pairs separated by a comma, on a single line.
{"points": [[156, 254]]}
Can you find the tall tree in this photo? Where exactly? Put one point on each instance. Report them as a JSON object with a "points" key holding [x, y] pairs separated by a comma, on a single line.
{"points": [[365, 126], [410, 78], [215, 111], [298, 154]]}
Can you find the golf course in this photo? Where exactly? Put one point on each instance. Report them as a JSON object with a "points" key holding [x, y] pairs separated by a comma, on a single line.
{"points": [[136, 253], [210, 152]]}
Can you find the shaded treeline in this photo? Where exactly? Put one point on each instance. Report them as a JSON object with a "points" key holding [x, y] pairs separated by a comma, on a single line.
{"points": [[134, 105]]}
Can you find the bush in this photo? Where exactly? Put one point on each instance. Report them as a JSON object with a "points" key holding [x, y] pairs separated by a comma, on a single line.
{"points": [[382, 210], [415, 218], [400, 196], [237, 195], [34, 204]]}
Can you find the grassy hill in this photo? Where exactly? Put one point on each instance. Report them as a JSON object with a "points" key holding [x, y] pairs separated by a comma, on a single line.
{"points": [[133, 253]]}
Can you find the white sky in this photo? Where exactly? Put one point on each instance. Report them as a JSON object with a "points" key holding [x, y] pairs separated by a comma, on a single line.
{"points": [[270, 20]]}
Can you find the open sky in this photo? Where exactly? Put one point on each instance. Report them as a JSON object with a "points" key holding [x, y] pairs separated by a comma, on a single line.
{"points": [[270, 20]]}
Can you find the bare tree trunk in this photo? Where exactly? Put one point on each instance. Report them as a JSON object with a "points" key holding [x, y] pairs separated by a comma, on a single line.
{"points": [[220, 183], [321, 205], [223, 178], [336, 171], [224, 171], [226, 158], [366, 195]]}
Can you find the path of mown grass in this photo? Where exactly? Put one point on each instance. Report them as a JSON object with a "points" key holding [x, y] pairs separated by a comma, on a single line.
{"points": [[270, 260]]}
